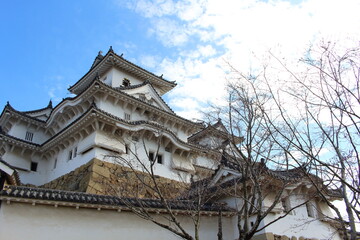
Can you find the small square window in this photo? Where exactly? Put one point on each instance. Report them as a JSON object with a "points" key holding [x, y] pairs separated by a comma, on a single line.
{"points": [[29, 136], [127, 116], [126, 82], [33, 166]]}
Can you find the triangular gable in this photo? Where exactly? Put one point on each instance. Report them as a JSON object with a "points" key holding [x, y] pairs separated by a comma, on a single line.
{"points": [[215, 136], [147, 93], [223, 174], [102, 64]]}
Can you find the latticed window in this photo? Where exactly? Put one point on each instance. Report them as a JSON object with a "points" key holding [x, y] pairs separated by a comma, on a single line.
{"points": [[127, 116], [29, 136]]}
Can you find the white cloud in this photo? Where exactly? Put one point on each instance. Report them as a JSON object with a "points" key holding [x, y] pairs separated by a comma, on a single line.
{"points": [[149, 61], [239, 32]]}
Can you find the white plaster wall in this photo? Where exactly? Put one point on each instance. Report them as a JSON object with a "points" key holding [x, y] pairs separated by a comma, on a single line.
{"points": [[206, 162], [298, 223], [24, 221], [19, 130], [23, 161], [294, 225], [118, 77], [137, 148]]}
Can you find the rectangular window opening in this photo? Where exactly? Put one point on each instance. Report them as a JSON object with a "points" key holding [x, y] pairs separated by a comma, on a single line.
{"points": [[126, 82], [135, 138], [75, 152], [127, 116], [310, 210], [29, 136], [151, 156], [33, 166], [127, 150], [55, 163], [159, 159], [70, 155], [286, 205]]}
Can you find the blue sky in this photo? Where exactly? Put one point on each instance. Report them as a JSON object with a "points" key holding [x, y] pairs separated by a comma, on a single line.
{"points": [[49, 45]]}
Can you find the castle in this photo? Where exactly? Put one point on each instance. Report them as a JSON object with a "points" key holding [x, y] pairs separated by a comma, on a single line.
{"points": [[58, 162]]}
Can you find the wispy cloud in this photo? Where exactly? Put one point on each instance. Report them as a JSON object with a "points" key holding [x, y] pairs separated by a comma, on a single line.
{"points": [[205, 34]]}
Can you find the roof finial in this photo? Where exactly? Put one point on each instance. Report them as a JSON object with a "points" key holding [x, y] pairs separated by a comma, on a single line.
{"points": [[100, 53], [50, 104], [161, 75], [111, 49], [121, 54]]}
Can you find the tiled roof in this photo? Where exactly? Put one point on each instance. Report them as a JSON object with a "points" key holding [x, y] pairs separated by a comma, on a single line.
{"points": [[95, 81], [212, 128], [93, 108], [143, 84], [111, 52], [49, 106], [8, 107], [15, 178], [29, 193]]}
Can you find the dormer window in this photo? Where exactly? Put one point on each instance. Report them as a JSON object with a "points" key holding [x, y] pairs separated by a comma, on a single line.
{"points": [[142, 97], [126, 82], [29, 136]]}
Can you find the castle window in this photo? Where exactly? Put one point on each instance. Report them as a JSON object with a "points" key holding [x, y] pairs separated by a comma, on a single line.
{"points": [[29, 136], [286, 205], [127, 150], [55, 163], [126, 82], [33, 166], [70, 155], [135, 138], [75, 152], [142, 97], [127, 116], [159, 157], [151, 156], [310, 210]]}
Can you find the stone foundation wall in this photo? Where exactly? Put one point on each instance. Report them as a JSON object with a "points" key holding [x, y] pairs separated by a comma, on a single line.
{"points": [[98, 177], [271, 236]]}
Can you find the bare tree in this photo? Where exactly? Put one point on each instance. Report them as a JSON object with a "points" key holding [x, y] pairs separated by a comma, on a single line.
{"points": [[257, 158], [316, 122], [326, 128], [142, 164]]}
